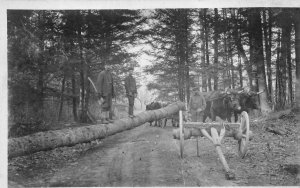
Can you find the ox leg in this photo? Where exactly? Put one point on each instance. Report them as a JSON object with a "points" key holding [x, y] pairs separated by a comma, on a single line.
{"points": [[204, 117], [229, 117], [156, 123], [174, 122], [213, 114], [235, 116]]}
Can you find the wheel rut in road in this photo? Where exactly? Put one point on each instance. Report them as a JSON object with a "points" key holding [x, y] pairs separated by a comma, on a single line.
{"points": [[144, 156]]}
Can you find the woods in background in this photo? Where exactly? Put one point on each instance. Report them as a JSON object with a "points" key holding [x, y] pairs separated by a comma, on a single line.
{"points": [[52, 53], [219, 48]]}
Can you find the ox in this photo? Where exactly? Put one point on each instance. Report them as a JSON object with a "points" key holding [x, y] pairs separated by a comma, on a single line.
{"points": [[174, 117], [247, 101], [222, 106], [174, 120], [163, 123], [154, 106]]}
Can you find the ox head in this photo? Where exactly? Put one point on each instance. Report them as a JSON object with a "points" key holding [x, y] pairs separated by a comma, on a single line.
{"points": [[253, 101], [250, 100], [232, 101]]}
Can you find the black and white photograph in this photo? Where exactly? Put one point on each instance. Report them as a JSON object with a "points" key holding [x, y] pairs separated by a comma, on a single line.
{"points": [[150, 93]]}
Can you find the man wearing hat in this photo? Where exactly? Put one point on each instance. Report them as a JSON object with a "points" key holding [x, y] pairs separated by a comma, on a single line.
{"points": [[197, 104], [131, 91], [105, 87]]}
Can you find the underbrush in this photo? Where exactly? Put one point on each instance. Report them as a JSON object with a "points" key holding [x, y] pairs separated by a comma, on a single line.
{"points": [[270, 151], [25, 120]]}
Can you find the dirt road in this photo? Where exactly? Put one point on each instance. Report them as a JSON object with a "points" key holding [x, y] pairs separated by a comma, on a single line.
{"points": [[144, 156], [149, 156]]}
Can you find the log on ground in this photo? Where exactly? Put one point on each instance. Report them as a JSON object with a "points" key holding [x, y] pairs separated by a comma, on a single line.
{"points": [[192, 132], [68, 137]]}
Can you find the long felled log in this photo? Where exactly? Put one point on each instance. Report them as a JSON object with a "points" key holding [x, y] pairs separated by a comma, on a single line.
{"points": [[67, 137]]}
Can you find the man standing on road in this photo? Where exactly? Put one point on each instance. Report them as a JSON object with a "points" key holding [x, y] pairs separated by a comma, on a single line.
{"points": [[197, 105], [131, 91], [106, 92]]}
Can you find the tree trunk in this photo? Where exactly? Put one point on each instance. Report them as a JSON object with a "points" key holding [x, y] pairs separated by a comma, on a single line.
{"points": [[240, 49], [40, 86], [180, 73], [86, 102], [278, 75], [83, 111], [40, 66], [252, 66], [283, 62], [256, 28], [289, 66], [73, 82], [232, 69], [216, 54], [240, 71], [297, 52], [61, 98], [207, 50], [202, 51], [68, 137], [268, 55], [187, 63], [270, 83], [282, 69], [74, 100], [228, 82], [179, 56]]}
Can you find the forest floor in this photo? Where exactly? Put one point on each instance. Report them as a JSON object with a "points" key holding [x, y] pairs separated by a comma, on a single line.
{"points": [[149, 156]]}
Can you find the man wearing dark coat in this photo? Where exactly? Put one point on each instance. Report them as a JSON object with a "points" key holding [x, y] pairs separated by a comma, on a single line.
{"points": [[131, 91], [105, 87]]}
